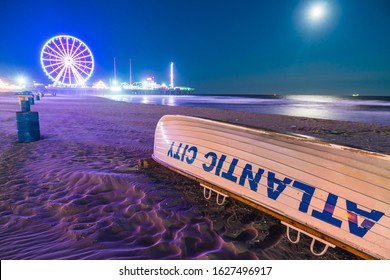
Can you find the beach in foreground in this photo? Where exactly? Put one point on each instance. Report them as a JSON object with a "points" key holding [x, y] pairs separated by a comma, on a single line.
{"points": [[79, 194]]}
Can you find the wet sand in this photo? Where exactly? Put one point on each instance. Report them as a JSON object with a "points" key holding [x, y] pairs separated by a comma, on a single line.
{"points": [[78, 193]]}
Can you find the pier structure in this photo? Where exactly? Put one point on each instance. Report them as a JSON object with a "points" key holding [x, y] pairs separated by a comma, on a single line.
{"points": [[120, 90], [169, 91]]}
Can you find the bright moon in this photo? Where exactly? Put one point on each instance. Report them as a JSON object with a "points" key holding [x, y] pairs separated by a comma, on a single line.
{"points": [[317, 12]]}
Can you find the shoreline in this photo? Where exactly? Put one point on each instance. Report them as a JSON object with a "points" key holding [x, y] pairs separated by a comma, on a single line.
{"points": [[79, 192]]}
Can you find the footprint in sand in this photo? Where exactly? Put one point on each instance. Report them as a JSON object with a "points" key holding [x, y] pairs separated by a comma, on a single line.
{"points": [[275, 235]]}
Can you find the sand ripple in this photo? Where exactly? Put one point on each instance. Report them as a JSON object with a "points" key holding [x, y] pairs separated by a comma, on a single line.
{"points": [[75, 205]]}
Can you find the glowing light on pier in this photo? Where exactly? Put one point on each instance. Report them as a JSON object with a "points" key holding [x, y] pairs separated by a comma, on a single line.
{"points": [[100, 85], [115, 86], [171, 75]]}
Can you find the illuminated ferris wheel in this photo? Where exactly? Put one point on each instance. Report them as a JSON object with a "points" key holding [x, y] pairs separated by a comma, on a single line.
{"points": [[67, 61]]}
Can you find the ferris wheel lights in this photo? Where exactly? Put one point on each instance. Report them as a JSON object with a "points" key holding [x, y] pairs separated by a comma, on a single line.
{"points": [[67, 61]]}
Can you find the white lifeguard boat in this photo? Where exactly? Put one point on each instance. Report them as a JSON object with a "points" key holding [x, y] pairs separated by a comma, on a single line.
{"points": [[335, 194]]}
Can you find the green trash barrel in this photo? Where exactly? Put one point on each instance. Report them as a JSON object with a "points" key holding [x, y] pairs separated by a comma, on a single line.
{"points": [[28, 126], [31, 99], [25, 105]]}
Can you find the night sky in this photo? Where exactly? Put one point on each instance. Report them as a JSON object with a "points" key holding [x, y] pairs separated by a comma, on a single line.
{"points": [[218, 46]]}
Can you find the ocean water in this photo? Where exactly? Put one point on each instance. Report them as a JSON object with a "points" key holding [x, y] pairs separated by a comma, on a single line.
{"points": [[356, 109]]}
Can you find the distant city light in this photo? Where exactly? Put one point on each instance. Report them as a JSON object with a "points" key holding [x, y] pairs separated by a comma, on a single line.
{"points": [[21, 80], [149, 83], [9, 86], [100, 85], [115, 88]]}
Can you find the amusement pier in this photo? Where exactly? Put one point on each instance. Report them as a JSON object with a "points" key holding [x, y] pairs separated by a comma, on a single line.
{"points": [[69, 64]]}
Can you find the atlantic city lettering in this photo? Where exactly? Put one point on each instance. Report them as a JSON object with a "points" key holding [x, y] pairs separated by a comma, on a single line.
{"points": [[251, 176]]}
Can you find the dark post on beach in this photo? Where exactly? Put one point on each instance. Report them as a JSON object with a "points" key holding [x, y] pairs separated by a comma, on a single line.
{"points": [[25, 105], [28, 126]]}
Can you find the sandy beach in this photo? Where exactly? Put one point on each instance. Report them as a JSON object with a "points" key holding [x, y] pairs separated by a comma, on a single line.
{"points": [[78, 192]]}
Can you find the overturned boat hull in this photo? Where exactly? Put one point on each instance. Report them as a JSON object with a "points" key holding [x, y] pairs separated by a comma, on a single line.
{"points": [[335, 194]]}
